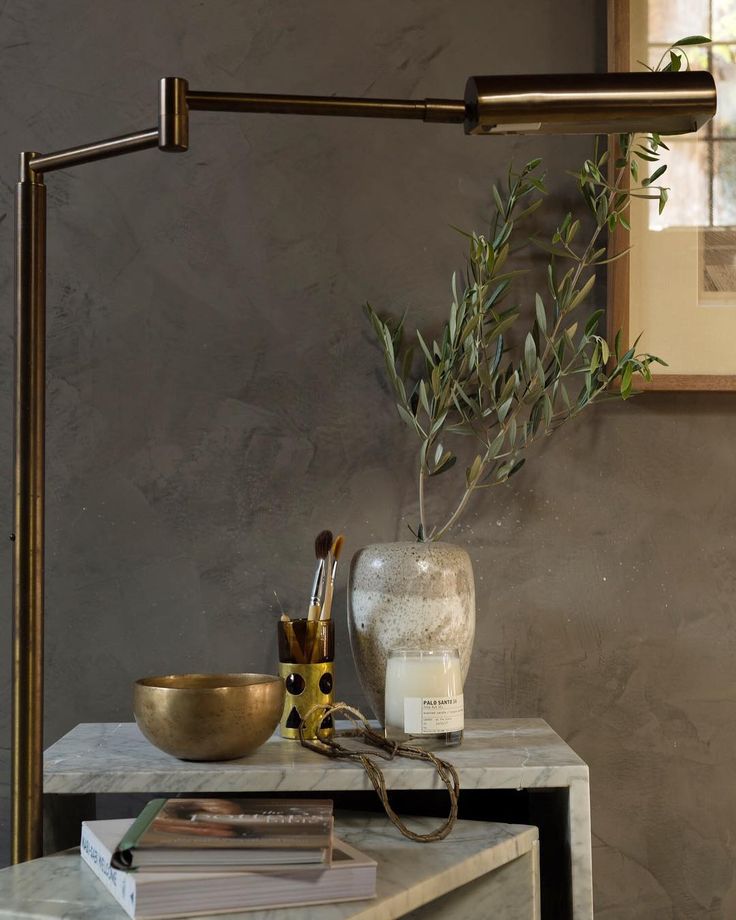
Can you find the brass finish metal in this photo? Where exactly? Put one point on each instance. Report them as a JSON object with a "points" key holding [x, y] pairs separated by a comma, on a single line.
{"points": [[451, 111], [307, 665], [596, 103], [608, 103], [208, 716], [28, 513], [173, 114], [313, 694], [98, 150]]}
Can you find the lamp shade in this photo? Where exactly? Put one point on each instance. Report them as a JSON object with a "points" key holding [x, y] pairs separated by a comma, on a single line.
{"points": [[608, 103]]}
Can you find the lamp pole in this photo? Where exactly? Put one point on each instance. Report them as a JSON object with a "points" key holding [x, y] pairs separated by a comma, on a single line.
{"points": [[28, 548]]}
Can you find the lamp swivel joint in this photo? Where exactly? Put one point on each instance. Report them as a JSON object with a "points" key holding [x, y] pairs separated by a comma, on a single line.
{"points": [[173, 119]]}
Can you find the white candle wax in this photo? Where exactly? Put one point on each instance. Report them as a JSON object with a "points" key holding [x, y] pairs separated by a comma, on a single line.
{"points": [[424, 693]]}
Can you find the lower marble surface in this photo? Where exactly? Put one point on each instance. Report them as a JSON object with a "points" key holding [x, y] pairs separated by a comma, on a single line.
{"points": [[508, 886], [409, 875]]}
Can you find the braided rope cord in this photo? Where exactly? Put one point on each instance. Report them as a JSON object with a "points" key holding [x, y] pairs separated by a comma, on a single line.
{"points": [[383, 750]]}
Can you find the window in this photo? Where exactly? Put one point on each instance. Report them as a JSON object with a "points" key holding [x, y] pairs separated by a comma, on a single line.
{"points": [[702, 167]]}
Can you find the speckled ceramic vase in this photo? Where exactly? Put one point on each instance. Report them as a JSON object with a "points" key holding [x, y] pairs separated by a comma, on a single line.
{"points": [[418, 595]]}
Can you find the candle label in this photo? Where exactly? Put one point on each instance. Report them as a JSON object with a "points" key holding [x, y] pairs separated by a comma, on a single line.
{"points": [[431, 715]]}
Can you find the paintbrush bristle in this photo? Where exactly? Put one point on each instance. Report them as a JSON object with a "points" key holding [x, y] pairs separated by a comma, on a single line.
{"points": [[337, 546], [323, 544]]}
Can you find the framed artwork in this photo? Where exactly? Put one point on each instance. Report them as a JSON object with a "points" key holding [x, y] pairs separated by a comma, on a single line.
{"points": [[677, 286]]}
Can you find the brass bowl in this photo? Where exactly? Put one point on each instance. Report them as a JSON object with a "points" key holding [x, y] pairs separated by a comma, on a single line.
{"points": [[208, 716]]}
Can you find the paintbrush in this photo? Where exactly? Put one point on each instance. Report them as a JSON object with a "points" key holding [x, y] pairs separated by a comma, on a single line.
{"points": [[287, 626], [285, 618], [326, 611], [322, 545]]}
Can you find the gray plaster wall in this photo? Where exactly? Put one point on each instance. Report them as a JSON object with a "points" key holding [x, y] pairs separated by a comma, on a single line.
{"points": [[215, 399]]}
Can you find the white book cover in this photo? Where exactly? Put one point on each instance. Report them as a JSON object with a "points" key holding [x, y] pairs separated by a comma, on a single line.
{"points": [[157, 895], [97, 855]]}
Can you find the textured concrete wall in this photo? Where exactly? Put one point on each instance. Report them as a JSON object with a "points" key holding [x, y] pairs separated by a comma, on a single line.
{"points": [[214, 400]]}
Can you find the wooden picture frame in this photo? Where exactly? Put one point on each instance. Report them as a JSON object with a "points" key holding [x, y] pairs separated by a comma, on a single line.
{"points": [[622, 280]]}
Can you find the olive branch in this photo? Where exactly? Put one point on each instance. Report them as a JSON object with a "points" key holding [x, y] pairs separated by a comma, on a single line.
{"points": [[472, 383]]}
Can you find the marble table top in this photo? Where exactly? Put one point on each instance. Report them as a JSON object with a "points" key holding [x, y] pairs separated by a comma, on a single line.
{"points": [[116, 758], [62, 887]]}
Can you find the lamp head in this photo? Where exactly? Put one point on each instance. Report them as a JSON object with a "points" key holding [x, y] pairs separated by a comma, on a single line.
{"points": [[608, 103]]}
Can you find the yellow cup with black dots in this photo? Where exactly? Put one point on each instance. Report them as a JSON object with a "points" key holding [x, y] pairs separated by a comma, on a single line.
{"points": [[307, 665]]}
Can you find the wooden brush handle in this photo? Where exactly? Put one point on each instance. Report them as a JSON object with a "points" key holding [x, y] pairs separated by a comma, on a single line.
{"points": [[295, 650], [326, 611], [315, 601]]}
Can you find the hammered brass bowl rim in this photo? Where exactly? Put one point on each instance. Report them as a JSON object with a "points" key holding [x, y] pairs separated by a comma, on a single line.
{"points": [[196, 683]]}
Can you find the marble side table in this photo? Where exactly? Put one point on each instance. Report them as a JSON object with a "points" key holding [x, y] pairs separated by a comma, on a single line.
{"points": [[511, 770], [481, 866]]}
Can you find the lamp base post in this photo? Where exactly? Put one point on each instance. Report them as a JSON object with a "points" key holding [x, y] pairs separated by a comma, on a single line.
{"points": [[30, 400]]}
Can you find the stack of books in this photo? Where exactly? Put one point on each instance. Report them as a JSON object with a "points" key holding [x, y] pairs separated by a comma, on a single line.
{"points": [[182, 857]]}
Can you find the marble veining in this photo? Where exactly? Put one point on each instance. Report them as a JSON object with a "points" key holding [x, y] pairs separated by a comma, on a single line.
{"points": [[115, 757], [409, 874]]}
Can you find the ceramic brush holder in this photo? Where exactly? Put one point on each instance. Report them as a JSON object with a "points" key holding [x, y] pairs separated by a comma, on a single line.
{"points": [[306, 663]]}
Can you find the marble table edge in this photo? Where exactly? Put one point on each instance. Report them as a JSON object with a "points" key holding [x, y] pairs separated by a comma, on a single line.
{"points": [[81, 783], [76, 764]]}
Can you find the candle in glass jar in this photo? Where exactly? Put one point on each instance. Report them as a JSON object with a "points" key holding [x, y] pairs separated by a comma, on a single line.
{"points": [[424, 695]]}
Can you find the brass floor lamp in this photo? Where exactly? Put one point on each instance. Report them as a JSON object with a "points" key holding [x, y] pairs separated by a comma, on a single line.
{"points": [[666, 103]]}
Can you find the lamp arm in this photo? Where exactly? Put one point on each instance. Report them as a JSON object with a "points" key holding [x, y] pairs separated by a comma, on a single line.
{"points": [[176, 100], [447, 111], [557, 103], [97, 150]]}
